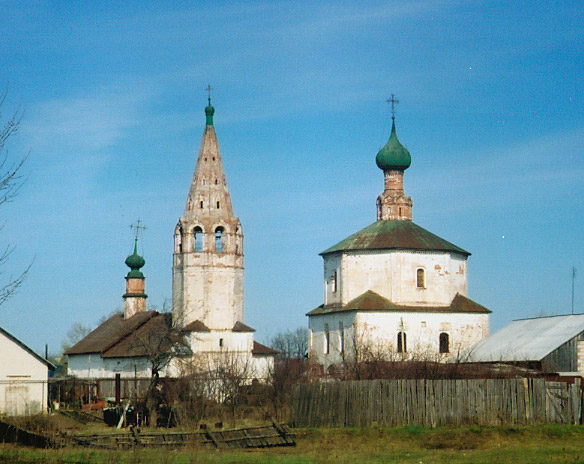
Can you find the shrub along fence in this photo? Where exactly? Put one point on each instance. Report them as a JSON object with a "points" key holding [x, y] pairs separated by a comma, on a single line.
{"points": [[436, 402]]}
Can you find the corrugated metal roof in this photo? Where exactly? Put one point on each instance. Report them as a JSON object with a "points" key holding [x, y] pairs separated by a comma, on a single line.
{"points": [[527, 339], [371, 301], [397, 235]]}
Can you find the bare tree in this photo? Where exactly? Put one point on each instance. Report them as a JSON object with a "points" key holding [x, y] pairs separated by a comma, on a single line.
{"points": [[75, 334], [292, 344], [11, 181]]}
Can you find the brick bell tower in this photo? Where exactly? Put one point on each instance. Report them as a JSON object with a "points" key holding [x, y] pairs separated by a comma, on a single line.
{"points": [[134, 298], [207, 273], [393, 159]]}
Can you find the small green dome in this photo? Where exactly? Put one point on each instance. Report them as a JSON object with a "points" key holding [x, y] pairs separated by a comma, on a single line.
{"points": [[209, 112], [393, 155], [135, 262]]}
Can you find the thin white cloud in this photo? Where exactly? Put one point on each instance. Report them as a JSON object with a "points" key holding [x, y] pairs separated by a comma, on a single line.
{"points": [[84, 122]]}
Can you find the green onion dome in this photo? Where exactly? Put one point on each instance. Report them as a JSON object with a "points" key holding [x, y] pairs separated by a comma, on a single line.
{"points": [[209, 112], [393, 155], [135, 262]]}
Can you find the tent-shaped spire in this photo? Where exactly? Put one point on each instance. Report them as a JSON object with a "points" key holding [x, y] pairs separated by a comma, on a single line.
{"points": [[209, 196]]}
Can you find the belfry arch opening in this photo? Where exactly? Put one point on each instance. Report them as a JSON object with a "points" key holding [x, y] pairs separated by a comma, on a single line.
{"points": [[219, 239], [198, 239]]}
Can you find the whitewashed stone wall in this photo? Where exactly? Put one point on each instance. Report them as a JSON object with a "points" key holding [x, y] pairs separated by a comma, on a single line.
{"points": [[209, 287], [89, 366], [392, 274], [379, 330], [23, 380]]}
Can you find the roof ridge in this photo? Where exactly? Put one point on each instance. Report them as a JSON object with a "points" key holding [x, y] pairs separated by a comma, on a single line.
{"points": [[128, 332]]}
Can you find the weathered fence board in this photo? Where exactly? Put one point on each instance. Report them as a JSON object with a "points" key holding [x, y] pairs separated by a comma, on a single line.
{"points": [[436, 402]]}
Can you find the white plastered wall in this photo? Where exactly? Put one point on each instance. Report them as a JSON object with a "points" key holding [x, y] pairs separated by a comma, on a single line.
{"points": [[378, 330], [392, 274], [23, 380]]}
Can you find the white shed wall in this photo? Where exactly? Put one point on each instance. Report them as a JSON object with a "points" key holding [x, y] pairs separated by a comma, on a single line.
{"points": [[23, 380]]}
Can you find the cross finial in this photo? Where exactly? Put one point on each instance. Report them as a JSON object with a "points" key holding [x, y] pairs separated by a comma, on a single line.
{"points": [[208, 89], [393, 102], [137, 226]]}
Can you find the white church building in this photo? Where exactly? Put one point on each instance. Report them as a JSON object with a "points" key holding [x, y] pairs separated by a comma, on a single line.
{"points": [[205, 329], [394, 290]]}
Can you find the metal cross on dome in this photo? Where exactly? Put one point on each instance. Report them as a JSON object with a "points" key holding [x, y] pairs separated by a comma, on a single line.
{"points": [[208, 89], [137, 226], [393, 102]]}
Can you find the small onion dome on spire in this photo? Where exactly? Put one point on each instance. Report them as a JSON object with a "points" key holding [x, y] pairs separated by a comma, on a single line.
{"points": [[135, 262], [393, 155], [209, 112]]}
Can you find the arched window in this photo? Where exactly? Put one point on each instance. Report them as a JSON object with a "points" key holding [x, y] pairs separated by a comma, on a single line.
{"points": [[198, 237], [402, 342], [327, 339], [219, 239], [444, 343], [421, 278], [334, 282]]}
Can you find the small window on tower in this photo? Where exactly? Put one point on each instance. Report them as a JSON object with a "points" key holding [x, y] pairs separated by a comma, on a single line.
{"points": [[221, 342], [217, 205], [213, 158], [420, 278], [201, 205], [334, 282], [327, 339], [216, 181]]}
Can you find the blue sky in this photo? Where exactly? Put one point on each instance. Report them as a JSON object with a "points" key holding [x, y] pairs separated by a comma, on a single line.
{"points": [[491, 109]]}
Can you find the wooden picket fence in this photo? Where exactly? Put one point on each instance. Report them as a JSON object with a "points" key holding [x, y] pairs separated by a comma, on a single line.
{"points": [[436, 402]]}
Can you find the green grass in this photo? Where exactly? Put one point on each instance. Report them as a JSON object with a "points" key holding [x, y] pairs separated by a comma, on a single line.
{"points": [[501, 445]]}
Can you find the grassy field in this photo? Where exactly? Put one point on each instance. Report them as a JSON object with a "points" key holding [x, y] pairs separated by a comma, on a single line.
{"points": [[419, 445]]}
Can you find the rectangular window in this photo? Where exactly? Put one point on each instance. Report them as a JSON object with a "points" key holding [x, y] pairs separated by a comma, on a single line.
{"points": [[334, 282], [402, 341], [221, 342], [420, 278], [327, 339]]}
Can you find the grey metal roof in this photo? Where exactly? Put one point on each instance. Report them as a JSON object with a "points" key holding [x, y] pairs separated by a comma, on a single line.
{"points": [[526, 339], [394, 235]]}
